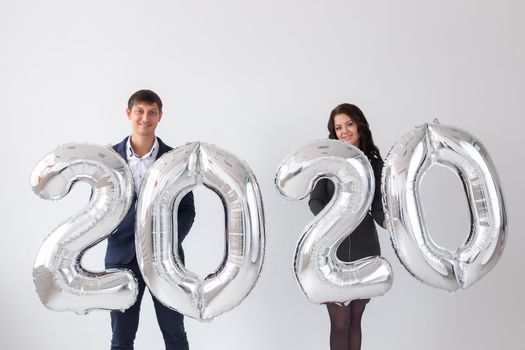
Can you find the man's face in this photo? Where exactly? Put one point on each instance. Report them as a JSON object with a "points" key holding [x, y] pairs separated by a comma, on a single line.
{"points": [[144, 118]]}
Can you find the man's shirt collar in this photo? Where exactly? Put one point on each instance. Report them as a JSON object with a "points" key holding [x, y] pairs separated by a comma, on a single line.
{"points": [[130, 153]]}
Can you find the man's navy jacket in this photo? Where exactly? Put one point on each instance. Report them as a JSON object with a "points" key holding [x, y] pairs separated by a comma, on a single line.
{"points": [[121, 244]]}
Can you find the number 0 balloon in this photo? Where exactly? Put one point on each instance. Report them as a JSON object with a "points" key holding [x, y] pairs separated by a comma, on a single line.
{"points": [[61, 282], [171, 177], [407, 163]]}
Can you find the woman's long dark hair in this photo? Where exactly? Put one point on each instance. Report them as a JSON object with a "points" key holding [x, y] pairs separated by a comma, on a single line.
{"points": [[366, 142]]}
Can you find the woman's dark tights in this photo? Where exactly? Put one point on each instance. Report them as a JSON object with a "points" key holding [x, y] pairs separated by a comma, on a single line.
{"points": [[345, 325]]}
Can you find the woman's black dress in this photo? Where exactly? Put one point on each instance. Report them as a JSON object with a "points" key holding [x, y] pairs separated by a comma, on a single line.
{"points": [[363, 241]]}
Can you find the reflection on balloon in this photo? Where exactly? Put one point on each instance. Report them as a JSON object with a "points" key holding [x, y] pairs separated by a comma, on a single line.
{"points": [[407, 163], [171, 177], [61, 282], [321, 276]]}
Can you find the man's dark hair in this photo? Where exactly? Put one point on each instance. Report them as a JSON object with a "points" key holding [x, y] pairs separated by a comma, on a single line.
{"points": [[146, 96]]}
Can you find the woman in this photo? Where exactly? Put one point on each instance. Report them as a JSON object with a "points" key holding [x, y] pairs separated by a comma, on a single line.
{"points": [[348, 123]]}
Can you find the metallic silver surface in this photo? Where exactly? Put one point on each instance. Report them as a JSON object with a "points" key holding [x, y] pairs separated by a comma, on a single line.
{"points": [[405, 167], [61, 282], [171, 177], [321, 275]]}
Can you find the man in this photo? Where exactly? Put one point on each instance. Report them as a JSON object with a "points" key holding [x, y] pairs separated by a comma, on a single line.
{"points": [[140, 150]]}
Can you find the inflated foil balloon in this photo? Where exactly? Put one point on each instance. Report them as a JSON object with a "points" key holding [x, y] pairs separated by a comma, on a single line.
{"points": [[407, 163], [168, 180], [61, 282], [321, 275]]}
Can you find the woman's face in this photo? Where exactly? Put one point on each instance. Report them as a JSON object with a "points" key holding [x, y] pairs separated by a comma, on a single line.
{"points": [[346, 129]]}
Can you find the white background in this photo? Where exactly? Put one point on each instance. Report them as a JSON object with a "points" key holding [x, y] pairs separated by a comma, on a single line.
{"points": [[259, 78]]}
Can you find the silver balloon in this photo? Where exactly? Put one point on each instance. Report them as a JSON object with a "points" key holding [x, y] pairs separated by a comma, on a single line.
{"points": [[407, 163], [61, 282], [156, 238], [321, 275]]}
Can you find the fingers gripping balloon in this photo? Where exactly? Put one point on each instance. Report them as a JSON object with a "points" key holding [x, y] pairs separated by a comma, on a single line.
{"points": [[407, 163], [171, 177], [321, 276], [61, 282]]}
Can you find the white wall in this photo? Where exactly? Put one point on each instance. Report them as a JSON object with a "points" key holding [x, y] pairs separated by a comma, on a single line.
{"points": [[259, 78]]}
